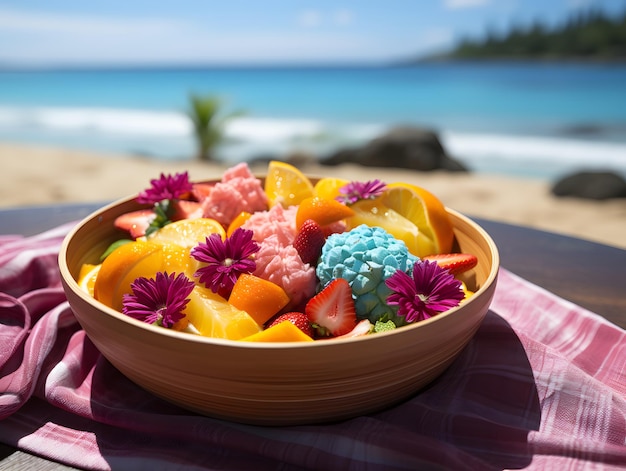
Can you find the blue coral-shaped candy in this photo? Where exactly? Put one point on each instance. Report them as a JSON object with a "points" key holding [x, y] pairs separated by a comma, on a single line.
{"points": [[366, 256]]}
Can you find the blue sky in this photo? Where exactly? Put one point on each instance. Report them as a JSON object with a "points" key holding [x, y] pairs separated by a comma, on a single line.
{"points": [[122, 32]]}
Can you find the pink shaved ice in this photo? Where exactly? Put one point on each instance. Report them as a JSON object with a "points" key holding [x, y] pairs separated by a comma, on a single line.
{"points": [[275, 221], [282, 265], [239, 190]]}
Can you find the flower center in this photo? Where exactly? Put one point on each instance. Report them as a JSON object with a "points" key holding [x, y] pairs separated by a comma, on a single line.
{"points": [[160, 312], [228, 262], [422, 297]]}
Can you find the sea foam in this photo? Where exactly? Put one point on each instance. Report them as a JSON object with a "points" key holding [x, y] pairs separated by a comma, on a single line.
{"points": [[168, 134]]}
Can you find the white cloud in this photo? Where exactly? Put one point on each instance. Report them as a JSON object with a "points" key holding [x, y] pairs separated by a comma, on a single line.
{"points": [[461, 4]]}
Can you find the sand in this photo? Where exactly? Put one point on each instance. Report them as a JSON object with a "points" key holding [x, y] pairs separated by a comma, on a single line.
{"points": [[33, 175]]}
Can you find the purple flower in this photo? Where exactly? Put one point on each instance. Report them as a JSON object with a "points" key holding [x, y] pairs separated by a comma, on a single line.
{"points": [[158, 300], [167, 187], [355, 191], [431, 290], [224, 260]]}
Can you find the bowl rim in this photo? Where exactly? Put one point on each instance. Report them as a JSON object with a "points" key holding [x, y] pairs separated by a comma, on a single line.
{"points": [[72, 284]]}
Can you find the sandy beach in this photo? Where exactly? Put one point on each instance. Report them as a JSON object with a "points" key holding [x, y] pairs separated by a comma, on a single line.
{"points": [[33, 175]]}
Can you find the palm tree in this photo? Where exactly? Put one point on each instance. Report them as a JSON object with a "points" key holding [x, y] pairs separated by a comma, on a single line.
{"points": [[208, 123]]}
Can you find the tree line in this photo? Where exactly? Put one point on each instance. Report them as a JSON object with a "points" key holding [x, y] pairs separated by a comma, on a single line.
{"points": [[584, 35]]}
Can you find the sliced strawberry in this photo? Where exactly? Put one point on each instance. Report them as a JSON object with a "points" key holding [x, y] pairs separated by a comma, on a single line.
{"points": [[332, 311], [309, 241], [135, 222], [185, 209], [455, 263], [299, 319], [364, 327]]}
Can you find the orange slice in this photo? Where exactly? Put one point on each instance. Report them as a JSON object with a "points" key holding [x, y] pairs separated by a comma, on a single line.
{"points": [[241, 218], [425, 210], [328, 187], [132, 260], [322, 210], [282, 332], [212, 316], [286, 185], [258, 297]]}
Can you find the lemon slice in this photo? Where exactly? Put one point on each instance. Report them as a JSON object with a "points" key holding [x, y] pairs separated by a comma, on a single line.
{"points": [[328, 187], [87, 277], [286, 185], [375, 214], [188, 232]]}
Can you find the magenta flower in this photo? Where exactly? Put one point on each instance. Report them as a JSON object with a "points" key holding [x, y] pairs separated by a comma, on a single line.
{"points": [[355, 191], [431, 290], [158, 300], [167, 187], [224, 260]]}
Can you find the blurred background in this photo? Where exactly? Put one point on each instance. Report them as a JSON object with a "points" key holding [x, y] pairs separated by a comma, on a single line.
{"points": [[528, 88]]}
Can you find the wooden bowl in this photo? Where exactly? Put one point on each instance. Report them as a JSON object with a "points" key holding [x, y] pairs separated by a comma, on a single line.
{"points": [[276, 383]]}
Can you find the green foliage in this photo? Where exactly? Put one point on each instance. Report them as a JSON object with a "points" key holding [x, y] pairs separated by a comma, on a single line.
{"points": [[590, 34], [208, 123]]}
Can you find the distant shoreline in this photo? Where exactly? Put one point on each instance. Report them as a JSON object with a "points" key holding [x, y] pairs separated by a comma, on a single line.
{"points": [[387, 64]]}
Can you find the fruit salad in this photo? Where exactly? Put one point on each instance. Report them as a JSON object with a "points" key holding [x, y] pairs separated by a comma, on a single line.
{"points": [[281, 259]]}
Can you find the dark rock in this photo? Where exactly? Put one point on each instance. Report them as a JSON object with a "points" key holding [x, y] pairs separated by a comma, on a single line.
{"points": [[402, 147], [595, 185]]}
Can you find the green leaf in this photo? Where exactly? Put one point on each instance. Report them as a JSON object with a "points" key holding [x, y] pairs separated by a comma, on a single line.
{"points": [[112, 247]]}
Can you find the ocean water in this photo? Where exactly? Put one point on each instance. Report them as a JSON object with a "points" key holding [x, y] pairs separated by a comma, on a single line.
{"points": [[525, 119]]}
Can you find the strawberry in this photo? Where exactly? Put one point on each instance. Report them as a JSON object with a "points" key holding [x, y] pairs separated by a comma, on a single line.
{"points": [[332, 310], [185, 209], [201, 191], [299, 319], [455, 263], [309, 241], [135, 222]]}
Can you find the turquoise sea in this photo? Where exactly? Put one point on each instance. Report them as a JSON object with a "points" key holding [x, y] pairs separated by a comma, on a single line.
{"points": [[524, 119]]}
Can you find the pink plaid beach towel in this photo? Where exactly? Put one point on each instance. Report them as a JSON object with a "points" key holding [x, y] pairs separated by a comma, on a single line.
{"points": [[541, 386]]}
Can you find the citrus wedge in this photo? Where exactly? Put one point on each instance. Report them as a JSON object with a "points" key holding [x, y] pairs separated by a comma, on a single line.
{"points": [[212, 316], [87, 276], [373, 213], [328, 187], [322, 210], [239, 221], [188, 232], [425, 210], [282, 332], [286, 185], [258, 297], [132, 260]]}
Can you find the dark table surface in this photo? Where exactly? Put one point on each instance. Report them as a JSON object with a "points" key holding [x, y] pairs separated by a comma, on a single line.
{"points": [[586, 273]]}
